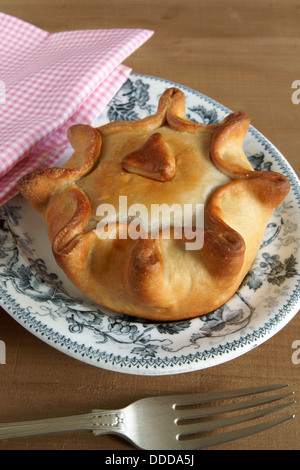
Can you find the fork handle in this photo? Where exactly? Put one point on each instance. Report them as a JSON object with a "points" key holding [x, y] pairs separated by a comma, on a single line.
{"points": [[98, 421]]}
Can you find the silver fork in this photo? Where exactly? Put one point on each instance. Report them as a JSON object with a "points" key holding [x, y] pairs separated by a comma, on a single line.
{"points": [[160, 423]]}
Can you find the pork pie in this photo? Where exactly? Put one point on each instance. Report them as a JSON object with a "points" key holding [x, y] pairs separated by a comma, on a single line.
{"points": [[168, 159]]}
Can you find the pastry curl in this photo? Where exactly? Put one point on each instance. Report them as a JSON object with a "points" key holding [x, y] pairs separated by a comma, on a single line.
{"points": [[39, 187]]}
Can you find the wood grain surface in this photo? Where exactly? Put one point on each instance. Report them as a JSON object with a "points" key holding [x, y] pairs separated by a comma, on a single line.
{"points": [[244, 54]]}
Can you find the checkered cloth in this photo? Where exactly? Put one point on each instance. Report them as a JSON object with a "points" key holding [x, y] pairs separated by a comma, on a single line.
{"points": [[49, 82]]}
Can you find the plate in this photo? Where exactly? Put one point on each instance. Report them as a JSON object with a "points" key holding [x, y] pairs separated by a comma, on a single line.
{"points": [[38, 295]]}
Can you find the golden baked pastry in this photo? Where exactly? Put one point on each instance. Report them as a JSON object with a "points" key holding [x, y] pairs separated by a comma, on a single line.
{"points": [[162, 159]]}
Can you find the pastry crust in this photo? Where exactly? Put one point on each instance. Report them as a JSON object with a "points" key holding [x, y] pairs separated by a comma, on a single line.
{"points": [[162, 159]]}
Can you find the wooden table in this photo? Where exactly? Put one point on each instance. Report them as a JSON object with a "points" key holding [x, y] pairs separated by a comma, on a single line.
{"points": [[244, 55]]}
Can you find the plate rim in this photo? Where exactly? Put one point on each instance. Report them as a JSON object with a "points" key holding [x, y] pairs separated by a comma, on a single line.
{"points": [[290, 307]]}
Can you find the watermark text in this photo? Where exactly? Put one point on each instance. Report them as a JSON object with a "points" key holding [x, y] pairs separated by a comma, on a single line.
{"points": [[296, 94], [2, 92], [177, 221], [296, 353], [2, 352]]}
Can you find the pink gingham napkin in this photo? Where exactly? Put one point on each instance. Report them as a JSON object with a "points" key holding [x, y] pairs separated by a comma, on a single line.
{"points": [[49, 82]]}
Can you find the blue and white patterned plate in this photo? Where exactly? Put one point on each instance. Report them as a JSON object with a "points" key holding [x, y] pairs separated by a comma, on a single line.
{"points": [[37, 294]]}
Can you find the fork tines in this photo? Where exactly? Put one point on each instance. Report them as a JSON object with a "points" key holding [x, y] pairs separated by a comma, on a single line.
{"points": [[184, 414]]}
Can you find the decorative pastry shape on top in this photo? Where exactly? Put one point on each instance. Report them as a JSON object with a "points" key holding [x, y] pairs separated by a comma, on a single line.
{"points": [[162, 160], [154, 159]]}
